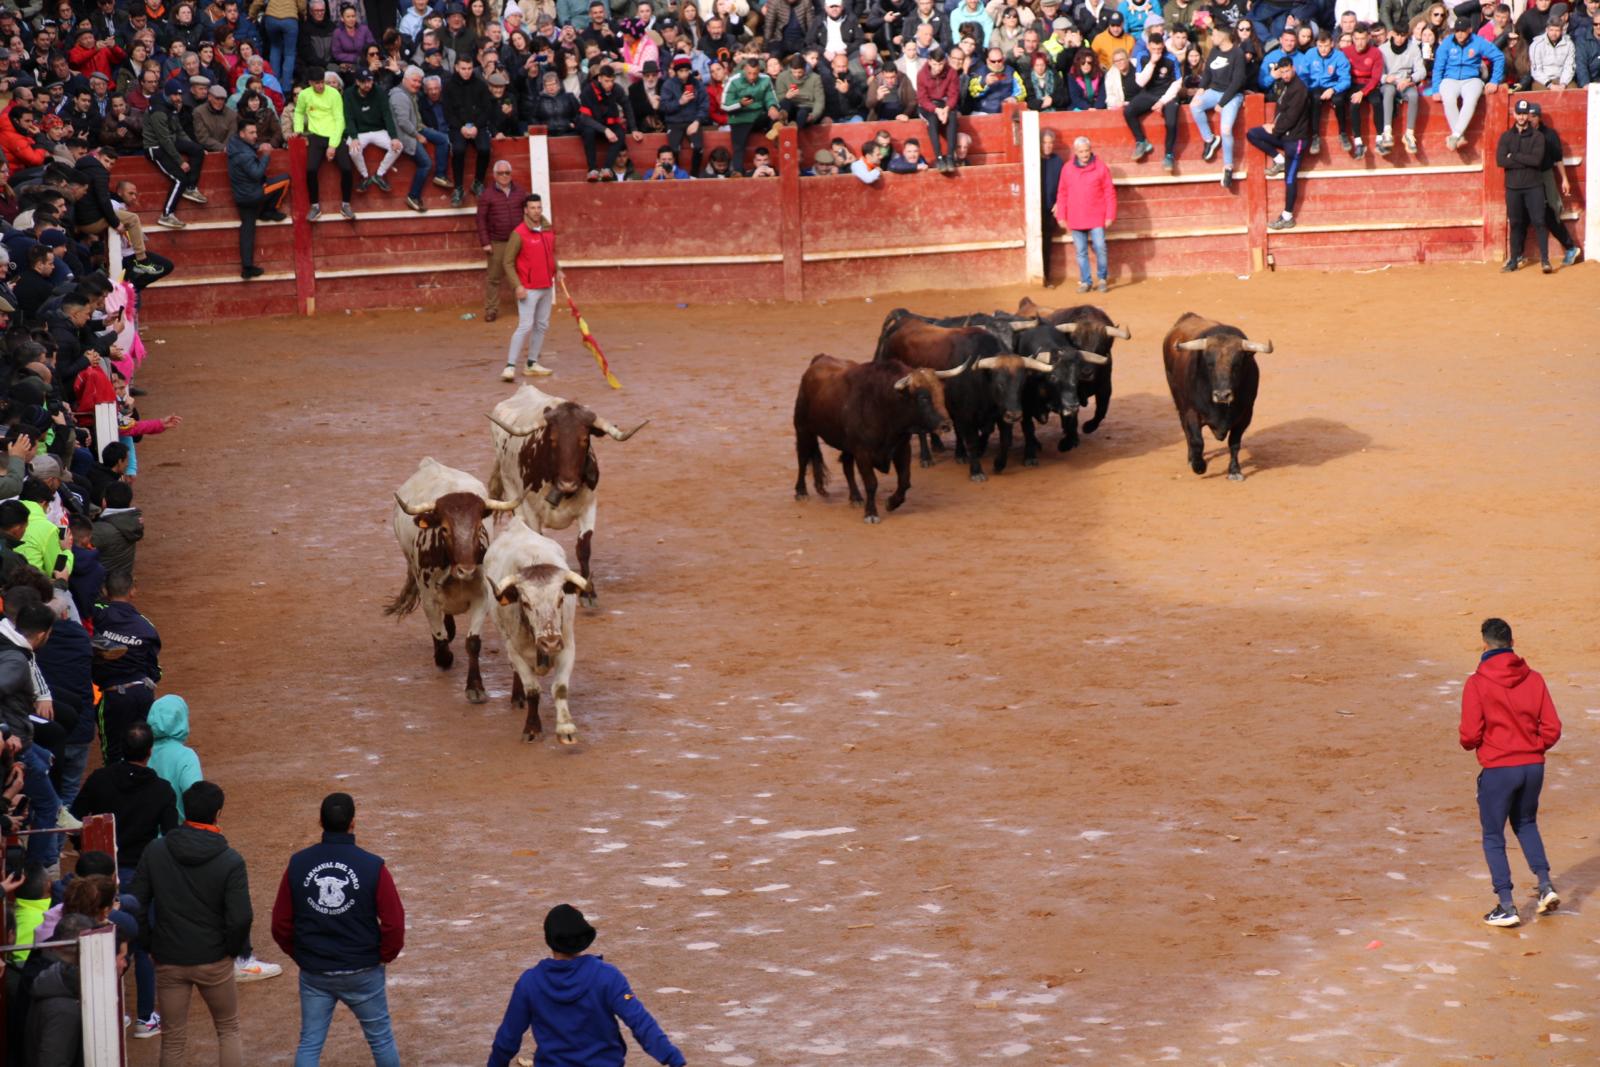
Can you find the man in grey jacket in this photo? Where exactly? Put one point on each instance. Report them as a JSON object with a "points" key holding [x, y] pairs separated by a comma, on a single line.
{"points": [[407, 123], [254, 195]]}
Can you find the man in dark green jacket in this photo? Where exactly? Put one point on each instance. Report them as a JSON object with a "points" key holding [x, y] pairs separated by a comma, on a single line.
{"points": [[368, 120], [751, 104], [173, 152], [194, 917]]}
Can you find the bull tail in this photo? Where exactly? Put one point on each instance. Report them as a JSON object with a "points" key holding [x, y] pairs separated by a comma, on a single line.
{"points": [[405, 601], [808, 450], [494, 482]]}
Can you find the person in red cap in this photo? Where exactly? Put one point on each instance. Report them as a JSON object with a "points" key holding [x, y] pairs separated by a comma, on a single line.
{"points": [[572, 1001], [1509, 720]]}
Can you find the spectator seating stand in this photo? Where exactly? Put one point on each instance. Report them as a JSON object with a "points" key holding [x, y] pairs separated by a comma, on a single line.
{"points": [[832, 237]]}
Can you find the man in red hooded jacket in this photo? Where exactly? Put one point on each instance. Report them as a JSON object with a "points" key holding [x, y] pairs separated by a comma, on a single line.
{"points": [[1508, 718]]}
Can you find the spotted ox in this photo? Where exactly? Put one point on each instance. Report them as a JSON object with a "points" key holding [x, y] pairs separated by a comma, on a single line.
{"points": [[543, 455], [1211, 370], [438, 520], [535, 603]]}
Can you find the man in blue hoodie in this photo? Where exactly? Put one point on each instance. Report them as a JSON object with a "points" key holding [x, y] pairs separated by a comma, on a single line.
{"points": [[1326, 72], [572, 1001]]}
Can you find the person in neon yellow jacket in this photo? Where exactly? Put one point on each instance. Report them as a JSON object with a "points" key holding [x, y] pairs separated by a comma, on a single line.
{"points": [[41, 540], [319, 116]]}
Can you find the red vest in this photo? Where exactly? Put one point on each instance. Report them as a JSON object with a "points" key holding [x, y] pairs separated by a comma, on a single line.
{"points": [[536, 258]]}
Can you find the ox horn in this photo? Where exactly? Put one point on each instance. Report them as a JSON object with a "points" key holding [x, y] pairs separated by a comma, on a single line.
{"points": [[1093, 357], [1264, 347], [988, 362], [1119, 331], [1197, 345], [413, 512], [900, 385], [952, 372], [1037, 364], [503, 426], [607, 427], [578, 580], [506, 505]]}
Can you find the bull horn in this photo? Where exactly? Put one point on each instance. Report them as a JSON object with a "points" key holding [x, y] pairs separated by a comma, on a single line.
{"points": [[988, 362], [607, 427], [954, 372], [903, 382], [1197, 345], [1037, 364], [1119, 331], [410, 511], [578, 580], [1093, 357], [506, 505], [1264, 347], [490, 416]]}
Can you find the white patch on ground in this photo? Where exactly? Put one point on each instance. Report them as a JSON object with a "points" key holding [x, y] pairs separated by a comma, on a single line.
{"points": [[661, 881], [799, 835], [773, 888], [1094, 835], [713, 892], [701, 946]]}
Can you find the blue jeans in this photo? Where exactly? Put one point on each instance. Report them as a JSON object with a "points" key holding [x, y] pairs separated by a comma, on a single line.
{"points": [[441, 148], [424, 163], [364, 992], [44, 805], [1080, 243], [283, 37], [1229, 116], [69, 770], [1511, 793], [144, 968]]}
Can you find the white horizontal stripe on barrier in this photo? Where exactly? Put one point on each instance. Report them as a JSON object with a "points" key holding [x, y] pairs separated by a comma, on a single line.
{"points": [[1141, 235], [670, 261], [1178, 179], [914, 250], [1383, 172], [1365, 227]]}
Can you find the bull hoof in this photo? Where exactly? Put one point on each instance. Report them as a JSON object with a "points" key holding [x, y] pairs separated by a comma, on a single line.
{"points": [[801, 496], [532, 737], [1235, 476], [477, 696], [1030, 461], [1066, 445], [1198, 467], [872, 519], [569, 738], [589, 599], [894, 504], [978, 477], [924, 463], [1091, 426], [444, 659]]}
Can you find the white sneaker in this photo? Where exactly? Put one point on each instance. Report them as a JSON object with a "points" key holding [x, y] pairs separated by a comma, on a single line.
{"points": [[251, 969], [509, 374], [537, 370], [66, 821], [150, 1027]]}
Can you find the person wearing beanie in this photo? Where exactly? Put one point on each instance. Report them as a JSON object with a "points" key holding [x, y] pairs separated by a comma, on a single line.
{"points": [[1510, 722], [572, 1002]]}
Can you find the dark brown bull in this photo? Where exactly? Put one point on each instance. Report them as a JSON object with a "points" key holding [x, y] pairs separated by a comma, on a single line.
{"points": [[867, 411], [1211, 370]]}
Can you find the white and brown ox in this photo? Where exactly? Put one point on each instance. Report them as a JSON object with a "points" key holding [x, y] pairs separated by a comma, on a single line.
{"points": [[535, 597], [542, 455], [438, 520]]}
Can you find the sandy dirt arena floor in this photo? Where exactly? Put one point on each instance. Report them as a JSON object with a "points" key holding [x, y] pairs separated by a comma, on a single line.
{"points": [[1098, 763]]}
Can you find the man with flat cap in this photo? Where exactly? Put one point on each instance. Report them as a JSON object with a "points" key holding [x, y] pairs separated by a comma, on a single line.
{"points": [[572, 1001]]}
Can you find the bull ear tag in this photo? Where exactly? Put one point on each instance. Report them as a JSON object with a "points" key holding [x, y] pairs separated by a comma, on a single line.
{"points": [[423, 523]]}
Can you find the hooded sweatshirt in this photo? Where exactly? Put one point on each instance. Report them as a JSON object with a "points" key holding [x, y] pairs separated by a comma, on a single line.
{"points": [[141, 801], [1507, 715], [573, 1006], [173, 760], [117, 533], [201, 898]]}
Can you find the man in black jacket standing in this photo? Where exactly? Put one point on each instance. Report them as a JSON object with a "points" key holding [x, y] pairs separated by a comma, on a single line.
{"points": [[194, 917], [1286, 141], [1520, 154]]}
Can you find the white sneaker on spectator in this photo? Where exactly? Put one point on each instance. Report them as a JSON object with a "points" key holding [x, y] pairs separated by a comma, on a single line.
{"points": [[1411, 142], [250, 969], [66, 821], [509, 374], [537, 369], [195, 196], [150, 1027]]}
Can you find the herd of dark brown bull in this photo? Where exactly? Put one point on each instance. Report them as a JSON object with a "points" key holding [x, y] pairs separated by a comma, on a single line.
{"points": [[978, 374]]}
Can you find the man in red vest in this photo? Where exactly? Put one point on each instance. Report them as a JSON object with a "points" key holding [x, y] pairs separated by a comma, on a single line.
{"points": [[531, 261]]}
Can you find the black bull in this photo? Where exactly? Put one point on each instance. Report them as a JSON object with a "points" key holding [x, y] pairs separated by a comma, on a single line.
{"points": [[1212, 372]]}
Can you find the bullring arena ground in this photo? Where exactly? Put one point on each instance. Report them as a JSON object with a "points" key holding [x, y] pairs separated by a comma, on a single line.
{"points": [[1096, 763]]}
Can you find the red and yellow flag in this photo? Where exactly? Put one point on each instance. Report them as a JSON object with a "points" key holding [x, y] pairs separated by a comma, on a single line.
{"points": [[588, 340]]}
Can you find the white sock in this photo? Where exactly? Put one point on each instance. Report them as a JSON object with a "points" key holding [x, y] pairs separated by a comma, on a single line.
{"points": [[1288, 215], [1358, 140], [1278, 159]]}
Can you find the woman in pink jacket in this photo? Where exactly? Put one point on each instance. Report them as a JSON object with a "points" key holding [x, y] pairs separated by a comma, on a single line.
{"points": [[1086, 203]]}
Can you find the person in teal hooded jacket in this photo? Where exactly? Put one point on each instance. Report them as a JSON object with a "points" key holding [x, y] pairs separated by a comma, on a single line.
{"points": [[173, 760]]}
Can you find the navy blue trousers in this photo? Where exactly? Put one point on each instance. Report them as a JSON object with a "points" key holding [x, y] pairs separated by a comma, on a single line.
{"points": [[1511, 793]]}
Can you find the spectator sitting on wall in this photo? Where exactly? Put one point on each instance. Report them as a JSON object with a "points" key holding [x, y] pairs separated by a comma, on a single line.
{"points": [[751, 104], [553, 108], [368, 121], [603, 112], [799, 92], [214, 121], [685, 109], [843, 94], [1552, 58], [644, 96], [469, 109], [823, 165]]}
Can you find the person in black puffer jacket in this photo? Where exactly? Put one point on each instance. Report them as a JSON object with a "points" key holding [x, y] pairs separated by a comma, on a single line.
{"points": [[194, 917], [316, 39], [550, 106]]}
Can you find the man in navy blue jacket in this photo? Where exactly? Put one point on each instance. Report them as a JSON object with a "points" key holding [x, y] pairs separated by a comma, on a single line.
{"points": [[339, 915], [573, 1001], [127, 683]]}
